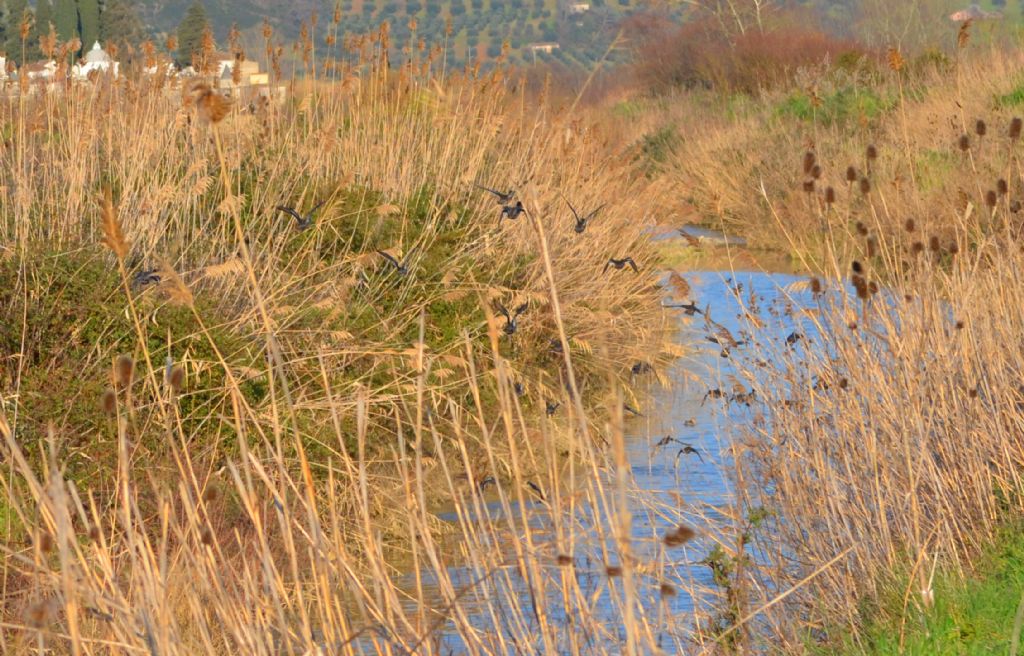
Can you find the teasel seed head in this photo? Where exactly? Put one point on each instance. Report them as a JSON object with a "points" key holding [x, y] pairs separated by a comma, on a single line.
{"points": [[872, 152], [959, 325], [862, 229], [843, 383], [45, 542], [909, 225], [176, 380], [857, 267], [872, 246], [964, 143], [808, 186], [613, 571], [206, 536], [865, 186], [1015, 127], [564, 560], [94, 533], [990, 198], [851, 174], [954, 248], [933, 244], [816, 287], [916, 247], [124, 369], [980, 128], [108, 403], [1002, 186], [830, 196], [809, 160], [816, 171]]}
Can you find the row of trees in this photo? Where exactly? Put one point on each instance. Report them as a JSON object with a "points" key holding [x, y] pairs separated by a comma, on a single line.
{"points": [[109, 21]]}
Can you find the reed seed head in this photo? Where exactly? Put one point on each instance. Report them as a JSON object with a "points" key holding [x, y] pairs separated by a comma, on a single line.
{"points": [[964, 143], [909, 225], [1002, 186], [108, 402], [816, 286], [991, 198], [124, 369], [211, 106], [830, 196], [865, 186], [1015, 127], [851, 174], [980, 128]]}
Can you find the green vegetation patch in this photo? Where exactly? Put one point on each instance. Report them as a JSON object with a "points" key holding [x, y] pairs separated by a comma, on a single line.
{"points": [[837, 107], [975, 616]]}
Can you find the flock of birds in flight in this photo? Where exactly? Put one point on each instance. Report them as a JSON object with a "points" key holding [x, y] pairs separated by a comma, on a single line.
{"points": [[718, 334]]}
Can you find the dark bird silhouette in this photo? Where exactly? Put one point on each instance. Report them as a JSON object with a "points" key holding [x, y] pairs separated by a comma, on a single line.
{"points": [[518, 387], [689, 308], [511, 319], [403, 266], [504, 197], [641, 368], [688, 449], [690, 239], [713, 394], [536, 489], [581, 221], [793, 338], [746, 398], [302, 222], [620, 264], [512, 211], [551, 408], [721, 335], [144, 278]]}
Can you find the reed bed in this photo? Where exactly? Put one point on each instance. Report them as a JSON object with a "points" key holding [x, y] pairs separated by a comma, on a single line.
{"points": [[888, 447], [226, 434]]}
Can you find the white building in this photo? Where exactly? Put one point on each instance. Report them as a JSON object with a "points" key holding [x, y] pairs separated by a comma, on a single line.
{"points": [[96, 60]]}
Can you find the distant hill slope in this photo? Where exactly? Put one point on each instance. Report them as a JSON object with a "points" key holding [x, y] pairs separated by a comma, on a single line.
{"points": [[581, 29]]}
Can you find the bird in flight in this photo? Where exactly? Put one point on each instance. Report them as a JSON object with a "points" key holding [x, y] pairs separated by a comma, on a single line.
{"points": [[721, 335], [581, 221], [145, 277], [512, 211], [690, 239], [403, 266], [302, 222], [620, 264], [688, 449], [689, 308], [504, 197], [511, 318]]}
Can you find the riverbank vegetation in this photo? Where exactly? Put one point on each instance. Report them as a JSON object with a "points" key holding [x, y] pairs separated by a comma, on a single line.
{"points": [[228, 429]]}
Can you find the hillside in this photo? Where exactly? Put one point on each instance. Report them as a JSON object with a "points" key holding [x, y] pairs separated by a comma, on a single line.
{"points": [[479, 27]]}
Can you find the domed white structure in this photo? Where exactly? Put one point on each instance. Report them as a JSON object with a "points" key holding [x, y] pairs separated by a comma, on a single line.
{"points": [[98, 60]]}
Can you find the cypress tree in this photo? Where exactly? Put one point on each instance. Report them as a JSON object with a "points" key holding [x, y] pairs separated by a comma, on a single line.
{"points": [[44, 19], [120, 24], [89, 22], [66, 19], [15, 13], [190, 32]]}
